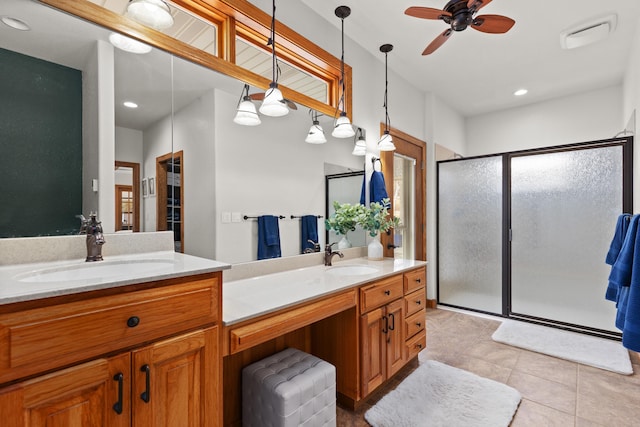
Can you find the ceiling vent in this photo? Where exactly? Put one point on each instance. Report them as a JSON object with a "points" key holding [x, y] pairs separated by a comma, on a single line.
{"points": [[588, 33]]}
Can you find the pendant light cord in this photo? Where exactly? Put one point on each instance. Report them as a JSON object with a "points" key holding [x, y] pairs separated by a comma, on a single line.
{"points": [[387, 122], [272, 42], [342, 71]]}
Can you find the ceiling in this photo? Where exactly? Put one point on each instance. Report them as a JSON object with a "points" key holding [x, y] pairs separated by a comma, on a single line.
{"points": [[476, 73]]}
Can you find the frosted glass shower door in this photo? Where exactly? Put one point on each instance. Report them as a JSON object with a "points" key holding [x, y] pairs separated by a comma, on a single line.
{"points": [[470, 233], [564, 207]]}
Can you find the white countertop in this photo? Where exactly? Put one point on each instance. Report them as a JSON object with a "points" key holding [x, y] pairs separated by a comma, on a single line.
{"points": [[247, 298], [25, 282]]}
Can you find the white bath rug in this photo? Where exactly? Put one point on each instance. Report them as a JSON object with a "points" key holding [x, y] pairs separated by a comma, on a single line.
{"points": [[438, 395], [593, 351]]}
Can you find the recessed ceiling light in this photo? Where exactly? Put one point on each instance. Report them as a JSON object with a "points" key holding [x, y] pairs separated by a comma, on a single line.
{"points": [[130, 104], [520, 92], [128, 44], [15, 23]]}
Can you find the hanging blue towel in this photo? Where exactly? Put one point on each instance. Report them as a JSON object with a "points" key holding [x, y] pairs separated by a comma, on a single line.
{"points": [[622, 225], [628, 318], [377, 189], [268, 237], [308, 231], [622, 268], [362, 192]]}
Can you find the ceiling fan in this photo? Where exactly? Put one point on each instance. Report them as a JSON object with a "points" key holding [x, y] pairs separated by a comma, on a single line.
{"points": [[460, 14]]}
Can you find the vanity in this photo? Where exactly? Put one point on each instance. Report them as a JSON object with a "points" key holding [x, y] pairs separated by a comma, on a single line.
{"points": [[364, 317], [130, 341]]}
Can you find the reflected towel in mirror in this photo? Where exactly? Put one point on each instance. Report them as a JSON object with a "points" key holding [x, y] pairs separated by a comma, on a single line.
{"points": [[268, 237], [308, 231]]}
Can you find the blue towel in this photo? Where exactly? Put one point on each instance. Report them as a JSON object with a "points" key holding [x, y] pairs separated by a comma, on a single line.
{"points": [[308, 231], [622, 268], [362, 192], [377, 189], [622, 225], [268, 237]]}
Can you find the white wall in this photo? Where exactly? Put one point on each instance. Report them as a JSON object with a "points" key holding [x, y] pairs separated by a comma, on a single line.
{"points": [[631, 90], [128, 145], [584, 117]]}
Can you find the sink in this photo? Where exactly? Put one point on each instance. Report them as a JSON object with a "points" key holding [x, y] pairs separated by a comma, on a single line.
{"points": [[352, 270], [100, 270]]}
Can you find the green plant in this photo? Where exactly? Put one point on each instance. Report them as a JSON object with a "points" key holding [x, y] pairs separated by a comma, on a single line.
{"points": [[376, 217], [344, 219]]}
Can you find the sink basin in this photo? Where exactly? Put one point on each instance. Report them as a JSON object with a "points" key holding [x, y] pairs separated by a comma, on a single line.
{"points": [[100, 270], [352, 270]]}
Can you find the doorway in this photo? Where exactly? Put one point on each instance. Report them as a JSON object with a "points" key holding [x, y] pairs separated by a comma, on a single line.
{"points": [[127, 192], [407, 193]]}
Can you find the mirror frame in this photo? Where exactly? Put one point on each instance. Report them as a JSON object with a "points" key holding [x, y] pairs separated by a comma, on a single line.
{"points": [[297, 50]]}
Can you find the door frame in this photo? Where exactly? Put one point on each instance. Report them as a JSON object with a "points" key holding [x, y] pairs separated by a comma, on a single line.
{"points": [[135, 168], [414, 148]]}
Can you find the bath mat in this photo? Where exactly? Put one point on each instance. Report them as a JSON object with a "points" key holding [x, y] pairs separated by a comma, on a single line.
{"points": [[585, 349], [438, 395]]}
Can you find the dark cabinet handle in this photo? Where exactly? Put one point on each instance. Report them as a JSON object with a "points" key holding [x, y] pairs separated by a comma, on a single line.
{"points": [[145, 394], [390, 246], [393, 322], [118, 405], [133, 321], [386, 325], [418, 280], [418, 302], [419, 345], [387, 292], [418, 324]]}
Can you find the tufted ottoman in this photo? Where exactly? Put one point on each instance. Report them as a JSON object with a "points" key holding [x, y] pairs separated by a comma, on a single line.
{"points": [[290, 388]]}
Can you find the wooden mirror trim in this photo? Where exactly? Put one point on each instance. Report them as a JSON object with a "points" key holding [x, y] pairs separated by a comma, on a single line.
{"points": [[226, 14]]}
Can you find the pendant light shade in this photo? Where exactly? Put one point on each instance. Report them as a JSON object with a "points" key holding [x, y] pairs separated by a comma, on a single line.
{"points": [[343, 127], [386, 142], [273, 104], [316, 133], [360, 147], [128, 44], [152, 13], [246, 114]]}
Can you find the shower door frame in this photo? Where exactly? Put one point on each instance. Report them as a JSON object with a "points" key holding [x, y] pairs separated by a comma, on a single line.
{"points": [[627, 206]]}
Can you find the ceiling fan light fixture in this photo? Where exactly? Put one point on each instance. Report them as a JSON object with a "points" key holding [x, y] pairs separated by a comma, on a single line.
{"points": [[273, 104], [343, 128], [128, 44], [152, 13]]}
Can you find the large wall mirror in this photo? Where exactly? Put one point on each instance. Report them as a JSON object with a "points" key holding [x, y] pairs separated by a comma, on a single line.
{"points": [[199, 173]]}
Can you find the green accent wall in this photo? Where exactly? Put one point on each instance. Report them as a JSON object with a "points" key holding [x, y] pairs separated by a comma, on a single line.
{"points": [[41, 141]]}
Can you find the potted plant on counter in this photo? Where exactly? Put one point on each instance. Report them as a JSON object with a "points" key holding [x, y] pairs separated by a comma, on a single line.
{"points": [[343, 220], [376, 219]]}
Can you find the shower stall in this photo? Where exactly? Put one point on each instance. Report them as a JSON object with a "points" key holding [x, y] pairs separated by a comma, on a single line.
{"points": [[525, 234]]}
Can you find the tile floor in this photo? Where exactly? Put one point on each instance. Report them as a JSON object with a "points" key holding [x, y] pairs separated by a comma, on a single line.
{"points": [[555, 392]]}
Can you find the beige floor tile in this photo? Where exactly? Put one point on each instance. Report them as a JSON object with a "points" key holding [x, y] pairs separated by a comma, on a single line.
{"points": [[499, 354], [548, 393], [598, 382], [607, 410], [532, 414], [581, 422], [548, 367], [484, 369]]}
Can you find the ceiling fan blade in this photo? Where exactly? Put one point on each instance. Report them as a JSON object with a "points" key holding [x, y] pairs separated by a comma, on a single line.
{"points": [[438, 41], [477, 4], [426, 12], [259, 96], [290, 104], [494, 24]]}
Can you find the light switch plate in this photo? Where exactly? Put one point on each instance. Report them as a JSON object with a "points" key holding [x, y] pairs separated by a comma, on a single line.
{"points": [[226, 217], [236, 217]]}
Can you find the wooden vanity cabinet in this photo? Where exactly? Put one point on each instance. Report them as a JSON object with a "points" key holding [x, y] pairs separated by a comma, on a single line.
{"points": [[391, 327], [174, 380]]}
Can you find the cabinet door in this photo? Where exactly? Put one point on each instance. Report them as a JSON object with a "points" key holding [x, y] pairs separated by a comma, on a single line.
{"points": [[176, 382], [395, 345], [86, 395], [373, 349]]}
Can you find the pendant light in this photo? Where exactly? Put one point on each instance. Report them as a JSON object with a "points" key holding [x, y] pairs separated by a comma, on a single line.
{"points": [[273, 103], [342, 127], [246, 114], [360, 147], [316, 133], [152, 13], [386, 142]]}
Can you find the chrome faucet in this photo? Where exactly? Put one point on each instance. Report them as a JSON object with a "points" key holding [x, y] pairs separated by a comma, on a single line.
{"points": [[95, 239], [328, 254]]}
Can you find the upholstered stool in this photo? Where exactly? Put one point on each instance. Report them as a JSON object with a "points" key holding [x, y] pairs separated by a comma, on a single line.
{"points": [[287, 389]]}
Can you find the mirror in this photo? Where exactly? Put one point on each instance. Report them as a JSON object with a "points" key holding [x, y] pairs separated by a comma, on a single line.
{"points": [[227, 171]]}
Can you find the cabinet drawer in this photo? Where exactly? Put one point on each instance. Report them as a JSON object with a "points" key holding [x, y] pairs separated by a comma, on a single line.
{"points": [[414, 280], [380, 293], [414, 301], [52, 336], [416, 344], [414, 323]]}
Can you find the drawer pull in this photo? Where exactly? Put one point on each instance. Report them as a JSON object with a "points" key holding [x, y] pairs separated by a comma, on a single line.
{"points": [[133, 321], [419, 346], [418, 302], [418, 324], [145, 394], [118, 405], [418, 280], [387, 292]]}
